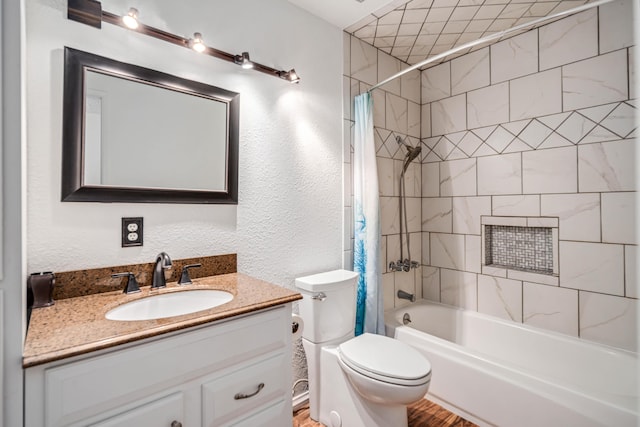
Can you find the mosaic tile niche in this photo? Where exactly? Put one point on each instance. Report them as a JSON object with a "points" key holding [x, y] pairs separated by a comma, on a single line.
{"points": [[521, 248]]}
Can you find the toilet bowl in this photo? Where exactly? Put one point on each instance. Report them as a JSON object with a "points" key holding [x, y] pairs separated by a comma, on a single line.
{"points": [[384, 370], [354, 381]]}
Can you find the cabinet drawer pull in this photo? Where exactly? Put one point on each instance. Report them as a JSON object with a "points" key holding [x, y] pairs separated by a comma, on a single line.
{"points": [[239, 396], [176, 424]]}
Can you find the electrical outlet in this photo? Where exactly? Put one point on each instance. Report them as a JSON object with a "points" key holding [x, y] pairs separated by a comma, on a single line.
{"points": [[131, 232]]}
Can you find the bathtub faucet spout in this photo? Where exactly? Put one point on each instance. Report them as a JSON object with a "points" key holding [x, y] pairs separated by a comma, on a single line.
{"points": [[406, 295]]}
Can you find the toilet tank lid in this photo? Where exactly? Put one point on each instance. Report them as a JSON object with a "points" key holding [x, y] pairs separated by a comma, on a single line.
{"points": [[327, 280]]}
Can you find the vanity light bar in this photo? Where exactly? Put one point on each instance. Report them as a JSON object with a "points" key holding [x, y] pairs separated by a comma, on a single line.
{"points": [[244, 61], [90, 12]]}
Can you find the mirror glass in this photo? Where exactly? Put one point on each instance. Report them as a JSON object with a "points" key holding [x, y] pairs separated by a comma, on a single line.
{"points": [[138, 134], [131, 134]]}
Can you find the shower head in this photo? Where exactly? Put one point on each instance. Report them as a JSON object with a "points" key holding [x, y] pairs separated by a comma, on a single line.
{"points": [[412, 153]]}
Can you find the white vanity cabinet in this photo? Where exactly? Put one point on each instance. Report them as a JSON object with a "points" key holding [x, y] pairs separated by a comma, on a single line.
{"points": [[234, 372]]}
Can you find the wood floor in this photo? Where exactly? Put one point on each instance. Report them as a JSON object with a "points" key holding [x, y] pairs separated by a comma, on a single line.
{"points": [[421, 414]]}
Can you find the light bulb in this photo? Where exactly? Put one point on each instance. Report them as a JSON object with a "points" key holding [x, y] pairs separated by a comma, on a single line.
{"points": [[131, 18], [245, 61], [293, 76], [197, 43]]}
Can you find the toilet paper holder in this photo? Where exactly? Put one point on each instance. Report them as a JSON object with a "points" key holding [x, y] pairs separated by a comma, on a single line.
{"points": [[297, 325]]}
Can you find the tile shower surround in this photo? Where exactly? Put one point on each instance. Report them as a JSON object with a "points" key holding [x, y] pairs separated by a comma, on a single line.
{"points": [[530, 126], [396, 113]]}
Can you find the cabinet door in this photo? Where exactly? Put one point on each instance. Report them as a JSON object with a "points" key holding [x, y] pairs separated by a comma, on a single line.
{"points": [[164, 412]]}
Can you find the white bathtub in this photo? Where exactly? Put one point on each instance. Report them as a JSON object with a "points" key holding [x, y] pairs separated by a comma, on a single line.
{"points": [[494, 372]]}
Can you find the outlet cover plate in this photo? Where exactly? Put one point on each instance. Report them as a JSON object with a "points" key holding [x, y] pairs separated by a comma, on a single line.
{"points": [[131, 231]]}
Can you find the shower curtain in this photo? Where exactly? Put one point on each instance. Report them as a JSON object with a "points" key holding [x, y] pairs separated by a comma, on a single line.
{"points": [[366, 249]]}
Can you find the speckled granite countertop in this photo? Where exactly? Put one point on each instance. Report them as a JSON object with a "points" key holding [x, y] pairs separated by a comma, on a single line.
{"points": [[78, 325]]}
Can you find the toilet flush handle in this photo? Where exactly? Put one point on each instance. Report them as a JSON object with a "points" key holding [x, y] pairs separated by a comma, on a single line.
{"points": [[320, 296]]}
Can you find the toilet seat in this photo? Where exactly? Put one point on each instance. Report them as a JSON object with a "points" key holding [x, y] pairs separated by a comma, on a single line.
{"points": [[385, 359]]}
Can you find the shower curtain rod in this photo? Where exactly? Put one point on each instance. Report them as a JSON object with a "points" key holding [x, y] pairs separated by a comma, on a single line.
{"points": [[494, 36]]}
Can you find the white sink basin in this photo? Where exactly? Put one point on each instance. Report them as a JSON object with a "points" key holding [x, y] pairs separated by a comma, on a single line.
{"points": [[169, 305]]}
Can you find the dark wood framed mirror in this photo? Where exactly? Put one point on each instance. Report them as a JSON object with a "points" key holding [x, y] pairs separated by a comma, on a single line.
{"points": [[136, 135]]}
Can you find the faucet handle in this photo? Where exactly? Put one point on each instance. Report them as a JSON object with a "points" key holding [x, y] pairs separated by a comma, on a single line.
{"points": [[132, 283], [184, 277]]}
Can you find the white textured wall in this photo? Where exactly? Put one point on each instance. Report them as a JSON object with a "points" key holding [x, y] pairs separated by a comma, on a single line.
{"points": [[288, 220]]}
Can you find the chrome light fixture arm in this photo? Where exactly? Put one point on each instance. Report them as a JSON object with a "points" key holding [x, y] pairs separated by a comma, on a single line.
{"points": [[90, 12]]}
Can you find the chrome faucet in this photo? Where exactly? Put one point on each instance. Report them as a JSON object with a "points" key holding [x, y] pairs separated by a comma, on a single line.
{"points": [[163, 262], [406, 295], [405, 265]]}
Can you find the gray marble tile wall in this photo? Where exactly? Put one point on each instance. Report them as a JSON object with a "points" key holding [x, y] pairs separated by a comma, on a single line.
{"points": [[542, 124], [397, 112]]}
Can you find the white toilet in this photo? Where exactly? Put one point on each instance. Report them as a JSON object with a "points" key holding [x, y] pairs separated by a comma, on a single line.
{"points": [[364, 381]]}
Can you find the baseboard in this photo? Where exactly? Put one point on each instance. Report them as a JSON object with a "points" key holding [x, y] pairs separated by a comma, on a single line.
{"points": [[300, 400]]}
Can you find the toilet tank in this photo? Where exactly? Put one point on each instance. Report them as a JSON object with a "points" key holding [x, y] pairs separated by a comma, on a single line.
{"points": [[331, 315]]}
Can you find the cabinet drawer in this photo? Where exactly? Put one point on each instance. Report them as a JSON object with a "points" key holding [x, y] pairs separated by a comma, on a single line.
{"points": [[159, 413], [80, 389], [220, 400], [277, 415]]}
